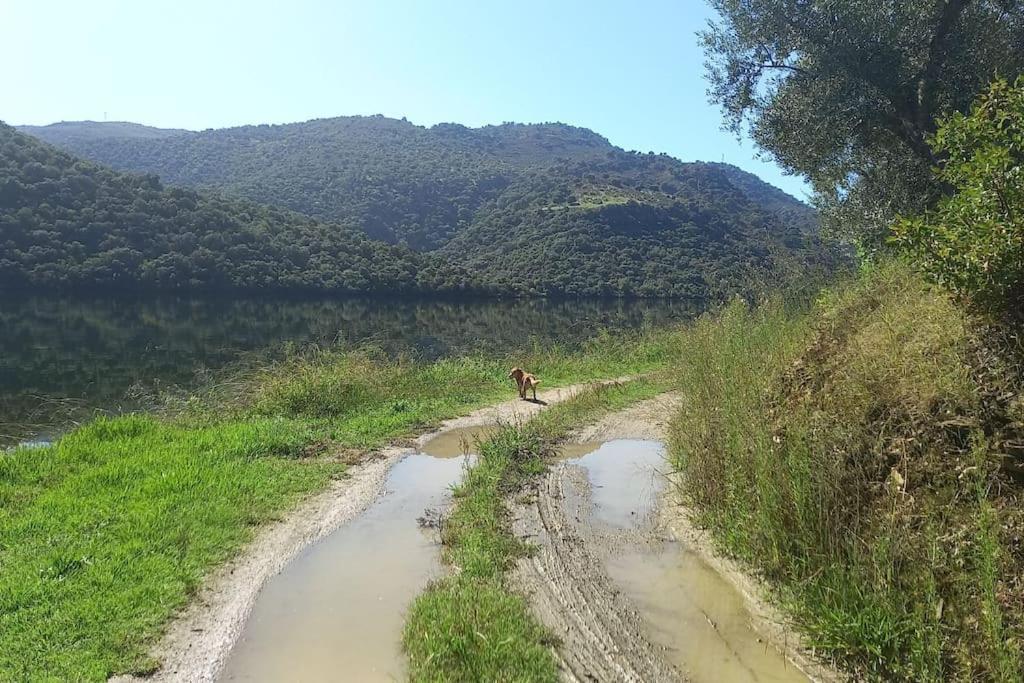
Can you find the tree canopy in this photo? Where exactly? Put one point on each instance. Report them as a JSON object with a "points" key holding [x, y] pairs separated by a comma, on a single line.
{"points": [[847, 92], [69, 223]]}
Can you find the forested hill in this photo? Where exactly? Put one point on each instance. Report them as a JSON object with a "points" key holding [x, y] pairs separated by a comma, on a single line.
{"points": [[545, 208], [396, 180], [67, 223]]}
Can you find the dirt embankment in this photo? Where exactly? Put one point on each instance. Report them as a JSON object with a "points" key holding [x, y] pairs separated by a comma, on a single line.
{"points": [[196, 644], [603, 636]]}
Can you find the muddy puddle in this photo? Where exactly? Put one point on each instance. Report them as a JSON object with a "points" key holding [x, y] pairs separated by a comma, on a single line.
{"points": [[336, 612], [454, 443], [687, 607]]}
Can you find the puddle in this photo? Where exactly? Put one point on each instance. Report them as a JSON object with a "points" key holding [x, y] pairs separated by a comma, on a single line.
{"points": [[572, 451], [336, 612], [677, 594], [688, 608], [457, 442], [624, 480]]}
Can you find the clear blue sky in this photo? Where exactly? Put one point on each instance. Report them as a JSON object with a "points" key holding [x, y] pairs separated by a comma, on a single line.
{"points": [[632, 71]]}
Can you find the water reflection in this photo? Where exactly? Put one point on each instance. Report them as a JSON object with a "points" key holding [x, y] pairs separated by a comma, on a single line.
{"points": [[61, 358]]}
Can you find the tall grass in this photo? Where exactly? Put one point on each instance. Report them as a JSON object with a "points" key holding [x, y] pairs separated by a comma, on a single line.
{"points": [[361, 398], [846, 453]]}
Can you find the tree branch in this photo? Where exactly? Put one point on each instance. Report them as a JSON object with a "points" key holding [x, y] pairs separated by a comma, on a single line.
{"points": [[925, 105], [777, 65]]}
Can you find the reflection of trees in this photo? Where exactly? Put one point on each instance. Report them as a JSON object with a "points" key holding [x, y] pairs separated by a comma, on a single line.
{"points": [[94, 350]]}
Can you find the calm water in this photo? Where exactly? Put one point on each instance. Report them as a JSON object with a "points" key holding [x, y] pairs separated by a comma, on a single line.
{"points": [[64, 358]]}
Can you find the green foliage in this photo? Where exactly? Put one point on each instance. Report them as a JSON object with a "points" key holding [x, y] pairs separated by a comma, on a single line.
{"points": [[847, 93], [973, 241], [538, 209], [359, 399], [67, 223], [854, 454]]}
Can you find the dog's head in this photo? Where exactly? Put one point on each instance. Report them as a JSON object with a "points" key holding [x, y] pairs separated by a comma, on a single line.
{"points": [[516, 374]]}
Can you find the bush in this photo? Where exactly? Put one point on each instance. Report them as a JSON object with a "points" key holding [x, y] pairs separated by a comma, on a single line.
{"points": [[973, 241]]}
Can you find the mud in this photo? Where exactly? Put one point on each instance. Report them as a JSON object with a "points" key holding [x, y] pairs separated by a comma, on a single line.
{"points": [[602, 636], [337, 610]]}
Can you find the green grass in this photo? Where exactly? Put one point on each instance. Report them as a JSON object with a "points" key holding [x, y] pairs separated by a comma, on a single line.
{"points": [[105, 535], [470, 626], [359, 399], [851, 453]]}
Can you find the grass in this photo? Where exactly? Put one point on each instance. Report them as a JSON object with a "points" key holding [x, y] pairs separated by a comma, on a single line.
{"points": [[105, 535], [470, 626], [852, 454], [361, 399]]}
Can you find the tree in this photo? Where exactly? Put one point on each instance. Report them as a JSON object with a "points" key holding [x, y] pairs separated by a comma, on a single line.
{"points": [[847, 92], [973, 242]]}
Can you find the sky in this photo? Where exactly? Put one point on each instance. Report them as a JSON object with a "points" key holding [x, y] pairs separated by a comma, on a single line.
{"points": [[629, 70]]}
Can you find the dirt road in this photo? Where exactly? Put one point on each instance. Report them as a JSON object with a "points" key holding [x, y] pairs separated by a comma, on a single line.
{"points": [[196, 644]]}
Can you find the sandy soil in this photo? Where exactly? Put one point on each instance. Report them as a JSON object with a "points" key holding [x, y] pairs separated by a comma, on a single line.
{"points": [[196, 644], [602, 635]]}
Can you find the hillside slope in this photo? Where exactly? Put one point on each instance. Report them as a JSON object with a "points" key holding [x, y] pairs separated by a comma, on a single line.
{"points": [[69, 223], [544, 208]]}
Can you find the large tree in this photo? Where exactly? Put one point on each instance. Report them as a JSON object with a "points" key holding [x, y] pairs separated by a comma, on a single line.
{"points": [[847, 92]]}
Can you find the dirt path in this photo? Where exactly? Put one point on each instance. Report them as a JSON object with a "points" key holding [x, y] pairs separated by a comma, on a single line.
{"points": [[603, 637], [196, 644]]}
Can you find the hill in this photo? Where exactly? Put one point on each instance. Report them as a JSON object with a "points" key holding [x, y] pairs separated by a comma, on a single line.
{"points": [[67, 223], [543, 208], [69, 132]]}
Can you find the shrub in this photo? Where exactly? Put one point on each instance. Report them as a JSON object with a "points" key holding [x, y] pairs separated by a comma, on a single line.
{"points": [[973, 241]]}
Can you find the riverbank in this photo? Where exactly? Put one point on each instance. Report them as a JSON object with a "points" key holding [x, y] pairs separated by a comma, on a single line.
{"points": [[112, 531]]}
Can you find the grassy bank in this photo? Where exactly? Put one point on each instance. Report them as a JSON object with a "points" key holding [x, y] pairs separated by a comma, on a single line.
{"points": [[106, 534], [862, 456], [470, 626]]}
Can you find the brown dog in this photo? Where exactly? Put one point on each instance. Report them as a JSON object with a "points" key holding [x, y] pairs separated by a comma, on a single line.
{"points": [[524, 381]]}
